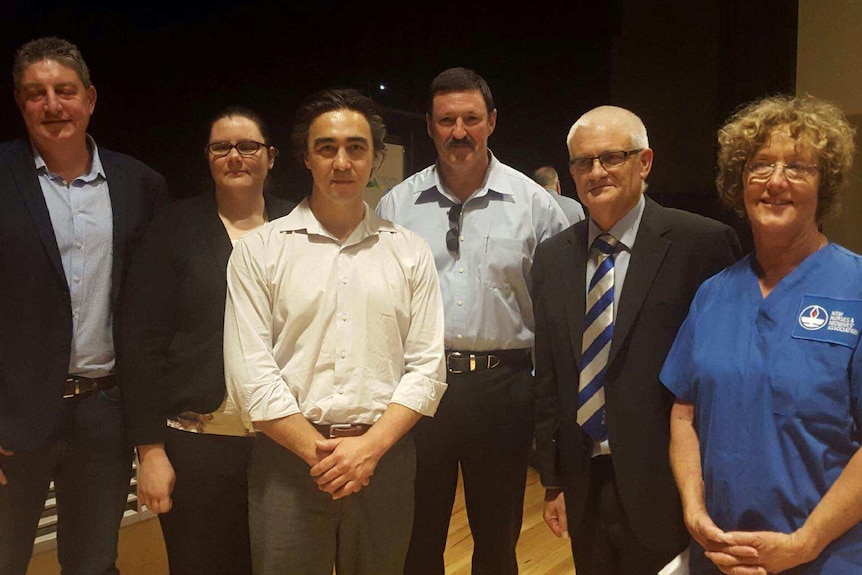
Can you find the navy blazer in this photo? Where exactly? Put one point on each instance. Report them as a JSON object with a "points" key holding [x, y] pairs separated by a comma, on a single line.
{"points": [[171, 344], [35, 306], [675, 251]]}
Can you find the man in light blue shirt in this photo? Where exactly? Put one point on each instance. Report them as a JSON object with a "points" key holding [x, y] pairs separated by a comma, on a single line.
{"points": [[548, 178], [483, 221], [70, 213]]}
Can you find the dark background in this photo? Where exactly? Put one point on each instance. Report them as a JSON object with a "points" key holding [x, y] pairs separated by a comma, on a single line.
{"points": [[163, 69]]}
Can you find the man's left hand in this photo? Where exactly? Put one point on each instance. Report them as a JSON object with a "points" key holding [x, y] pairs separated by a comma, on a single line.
{"points": [[348, 467]]}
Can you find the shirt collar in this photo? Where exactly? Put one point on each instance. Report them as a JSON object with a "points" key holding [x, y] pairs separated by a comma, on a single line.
{"points": [[96, 169], [430, 185], [302, 218], [626, 230]]}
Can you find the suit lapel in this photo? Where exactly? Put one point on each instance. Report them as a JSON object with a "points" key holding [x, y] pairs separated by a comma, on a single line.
{"points": [[646, 259], [121, 214], [24, 172], [574, 286], [218, 240]]}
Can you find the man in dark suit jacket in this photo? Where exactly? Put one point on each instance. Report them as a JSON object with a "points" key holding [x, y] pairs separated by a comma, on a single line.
{"points": [[608, 479], [69, 215]]}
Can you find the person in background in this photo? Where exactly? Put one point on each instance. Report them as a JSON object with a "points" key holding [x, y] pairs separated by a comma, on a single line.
{"points": [[547, 177], [334, 350], [71, 213], [193, 448], [610, 294], [767, 368], [483, 221]]}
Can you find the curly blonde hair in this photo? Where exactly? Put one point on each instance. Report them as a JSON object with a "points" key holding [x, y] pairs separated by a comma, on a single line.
{"points": [[810, 121]]}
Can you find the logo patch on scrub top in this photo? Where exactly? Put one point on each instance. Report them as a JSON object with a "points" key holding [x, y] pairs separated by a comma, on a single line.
{"points": [[829, 320]]}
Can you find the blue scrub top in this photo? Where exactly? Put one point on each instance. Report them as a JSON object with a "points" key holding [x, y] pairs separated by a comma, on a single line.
{"points": [[776, 384]]}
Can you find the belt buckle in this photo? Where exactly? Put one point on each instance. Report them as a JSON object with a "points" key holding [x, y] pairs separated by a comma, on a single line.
{"points": [[75, 390], [336, 429], [459, 355]]}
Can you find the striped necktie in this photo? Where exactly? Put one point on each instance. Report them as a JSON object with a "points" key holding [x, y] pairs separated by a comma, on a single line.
{"points": [[598, 331]]}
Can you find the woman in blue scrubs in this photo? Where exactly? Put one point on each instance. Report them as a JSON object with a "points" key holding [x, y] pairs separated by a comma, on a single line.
{"points": [[766, 369]]}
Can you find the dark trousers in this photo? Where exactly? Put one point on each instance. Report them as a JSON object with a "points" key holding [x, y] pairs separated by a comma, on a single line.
{"points": [[91, 465], [206, 530], [603, 542], [485, 425], [297, 529]]}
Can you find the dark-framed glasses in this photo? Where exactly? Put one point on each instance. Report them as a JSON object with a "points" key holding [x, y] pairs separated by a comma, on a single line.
{"points": [[453, 236], [796, 172], [608, 160], [245, 148]]}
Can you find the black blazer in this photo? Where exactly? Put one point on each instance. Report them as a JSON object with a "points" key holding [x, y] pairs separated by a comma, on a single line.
{"points": [[674, 252], [171, 342], [35, 308]]}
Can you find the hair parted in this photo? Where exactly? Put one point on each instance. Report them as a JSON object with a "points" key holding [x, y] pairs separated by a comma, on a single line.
{"points": [[331, 100], [811, 121], [243, 112], [460, 80]]}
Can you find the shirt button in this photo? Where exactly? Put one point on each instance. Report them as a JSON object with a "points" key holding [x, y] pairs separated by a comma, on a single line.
{"points": [[459, 336], [461, 238], [79, 245], [344, 281], [460, 303], [344, 317], [340, 392], [343, 355], [76, 279], [460, 270]]}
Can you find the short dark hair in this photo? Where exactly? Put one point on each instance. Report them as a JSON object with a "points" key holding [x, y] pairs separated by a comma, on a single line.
{"points": [[49, 48], [460, 80], [331, 100], [243, 112]]}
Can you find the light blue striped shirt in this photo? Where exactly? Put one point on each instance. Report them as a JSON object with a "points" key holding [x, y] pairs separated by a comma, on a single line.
{"points": [[486, 287], [83, 225]]}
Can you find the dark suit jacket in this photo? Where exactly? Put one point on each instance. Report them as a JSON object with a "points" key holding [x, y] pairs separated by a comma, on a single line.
{"points": [[674, 252], [174, 307], [35, 307]]}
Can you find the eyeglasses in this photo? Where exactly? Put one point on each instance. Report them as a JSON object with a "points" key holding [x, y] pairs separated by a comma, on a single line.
{"points": [[795, 172], [453, 236], [608, 160], [246, 148]]}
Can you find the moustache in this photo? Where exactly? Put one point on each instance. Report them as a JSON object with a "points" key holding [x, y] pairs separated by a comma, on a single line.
{"points": [[466, 142]]}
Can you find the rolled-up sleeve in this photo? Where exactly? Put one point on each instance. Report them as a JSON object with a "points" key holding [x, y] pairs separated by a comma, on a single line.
{"points": [[253, 376], [423, 383]]}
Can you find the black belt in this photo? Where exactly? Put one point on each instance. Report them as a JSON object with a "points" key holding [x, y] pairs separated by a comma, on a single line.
{"points": [[342, 429], [470, 361], [78, 387]]}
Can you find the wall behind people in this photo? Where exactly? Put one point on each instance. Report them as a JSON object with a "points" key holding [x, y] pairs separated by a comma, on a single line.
{"points": [[683, 66], [828, 67]]}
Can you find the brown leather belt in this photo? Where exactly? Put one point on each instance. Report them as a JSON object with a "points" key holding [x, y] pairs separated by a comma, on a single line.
{"points": [[342, 429], [470, 361], [77, 387]]}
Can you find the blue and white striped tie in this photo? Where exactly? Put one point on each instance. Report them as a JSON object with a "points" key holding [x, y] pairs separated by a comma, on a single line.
{"points": [[598, 331]]}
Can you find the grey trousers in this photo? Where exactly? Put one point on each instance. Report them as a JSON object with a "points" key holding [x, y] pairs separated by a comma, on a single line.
{"points": [[296, 529]]}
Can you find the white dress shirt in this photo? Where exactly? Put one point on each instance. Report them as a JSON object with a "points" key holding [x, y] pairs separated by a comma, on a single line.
{"points": [[333, 330]]}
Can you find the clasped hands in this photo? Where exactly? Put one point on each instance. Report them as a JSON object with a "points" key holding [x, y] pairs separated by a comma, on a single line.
{"points": [[748, 552], [344, 465]]}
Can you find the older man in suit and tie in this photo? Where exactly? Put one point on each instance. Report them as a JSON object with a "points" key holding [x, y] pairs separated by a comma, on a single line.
{"points": [[610, 294], [70, 213]]}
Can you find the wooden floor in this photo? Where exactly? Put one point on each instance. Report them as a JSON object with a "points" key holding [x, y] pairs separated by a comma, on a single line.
{"points": [[142, 551]]}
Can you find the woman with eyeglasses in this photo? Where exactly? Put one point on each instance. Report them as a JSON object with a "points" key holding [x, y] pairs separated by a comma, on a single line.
{"points": [[193, 448], [767, 368]]}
